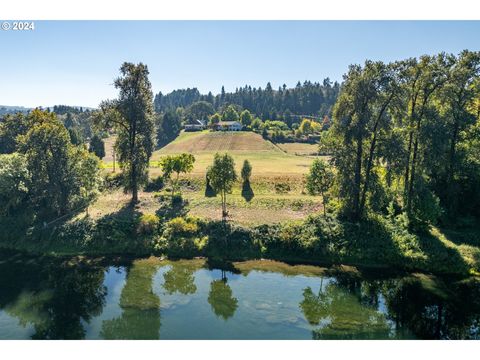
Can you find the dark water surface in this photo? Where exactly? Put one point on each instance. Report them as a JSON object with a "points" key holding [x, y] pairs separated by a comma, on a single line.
{"points": [[41, 298]]}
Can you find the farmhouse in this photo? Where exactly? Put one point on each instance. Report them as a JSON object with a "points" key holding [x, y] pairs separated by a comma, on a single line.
{"points": [[229, 126], [198, 125]]}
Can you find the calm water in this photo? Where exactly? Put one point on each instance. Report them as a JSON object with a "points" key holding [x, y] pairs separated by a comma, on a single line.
{"points": [[152, 299]]}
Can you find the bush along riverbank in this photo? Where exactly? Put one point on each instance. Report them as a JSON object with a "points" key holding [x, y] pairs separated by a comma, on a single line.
{"points": [[375, 242]]}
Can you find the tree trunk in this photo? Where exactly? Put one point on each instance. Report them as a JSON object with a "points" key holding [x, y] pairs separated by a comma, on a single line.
{"points": [[370, 156], [358, 178], [407, 167], [415, 154], [134, 183], [414, 163], [133, 160], [134, 192], [410, 142], [453, 145], [224, 206], [368, 170]]}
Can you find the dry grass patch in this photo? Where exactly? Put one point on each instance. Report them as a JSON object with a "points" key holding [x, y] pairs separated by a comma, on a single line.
{"points": [[114, 201], [301, 149], [194, 142]]}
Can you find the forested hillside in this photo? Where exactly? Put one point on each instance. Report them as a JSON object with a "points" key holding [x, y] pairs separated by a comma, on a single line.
{"points": [[316, 99]]}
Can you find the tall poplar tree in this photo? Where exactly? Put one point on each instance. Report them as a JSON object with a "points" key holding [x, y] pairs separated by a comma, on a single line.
{"points": [[132, 117]]}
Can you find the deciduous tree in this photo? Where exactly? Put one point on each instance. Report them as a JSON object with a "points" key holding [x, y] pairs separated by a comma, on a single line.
{"points": [[222, 176]]}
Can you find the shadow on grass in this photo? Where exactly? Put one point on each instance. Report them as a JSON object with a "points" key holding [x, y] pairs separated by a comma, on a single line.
{"points": [[441, 258], [247, 191], [466, 236], [171, 208], [374, 242], [209, 191]]}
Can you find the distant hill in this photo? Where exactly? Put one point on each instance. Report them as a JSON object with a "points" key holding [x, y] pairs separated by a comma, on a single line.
{"points": [[58, 109], [6, 109]]}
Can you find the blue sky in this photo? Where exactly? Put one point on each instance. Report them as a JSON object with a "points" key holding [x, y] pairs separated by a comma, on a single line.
{"points": [[75, 62]]}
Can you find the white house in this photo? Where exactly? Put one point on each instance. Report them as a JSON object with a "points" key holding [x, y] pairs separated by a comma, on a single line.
{"points": [[198, 125], [229, 126]]}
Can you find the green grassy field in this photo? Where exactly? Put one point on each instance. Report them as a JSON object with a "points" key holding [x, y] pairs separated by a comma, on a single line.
{"points": [[266, 158], [277, 182]]}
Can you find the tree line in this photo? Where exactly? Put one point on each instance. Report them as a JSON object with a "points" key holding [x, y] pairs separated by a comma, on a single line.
{"points": [[268, 103], [405, 135]]}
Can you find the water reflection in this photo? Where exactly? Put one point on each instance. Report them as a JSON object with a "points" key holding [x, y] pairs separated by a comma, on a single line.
{"points": [[338, 309], [221, 299], [140, 319], [45, 298], [54, 298], [414, 306], [433, 310], [180, 279]]}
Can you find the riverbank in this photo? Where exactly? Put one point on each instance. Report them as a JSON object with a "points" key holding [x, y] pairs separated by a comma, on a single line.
{"points": [[376, 242]]}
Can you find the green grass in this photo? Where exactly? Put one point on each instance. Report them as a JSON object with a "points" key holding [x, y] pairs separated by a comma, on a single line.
{"points": [[277, 180], [266, 158]]}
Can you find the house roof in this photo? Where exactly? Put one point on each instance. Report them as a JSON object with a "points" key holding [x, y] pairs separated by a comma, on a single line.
{"points": [[229, 123]]}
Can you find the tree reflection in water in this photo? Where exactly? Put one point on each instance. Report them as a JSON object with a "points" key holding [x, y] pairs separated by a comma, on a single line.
{"points": [[432, 310], [221, 298], [140, 319], [180, 278], [338, 310], [416, 306], [55, 298]]}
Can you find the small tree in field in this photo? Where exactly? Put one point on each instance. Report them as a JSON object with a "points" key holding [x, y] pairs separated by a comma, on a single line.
{"points": [[246, 171], [222, 176], [177, 164], [319, 180]]}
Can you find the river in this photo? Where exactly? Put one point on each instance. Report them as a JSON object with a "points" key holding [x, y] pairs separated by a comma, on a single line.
{"points": [[47, 298]]}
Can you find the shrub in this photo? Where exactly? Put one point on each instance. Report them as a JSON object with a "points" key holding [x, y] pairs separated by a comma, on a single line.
{"points": [[182, 237], [182, 226], [426, 209], [177, 199], [113, 181], [226, 241], [156, 184], [282, 188], [148, 224]]}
